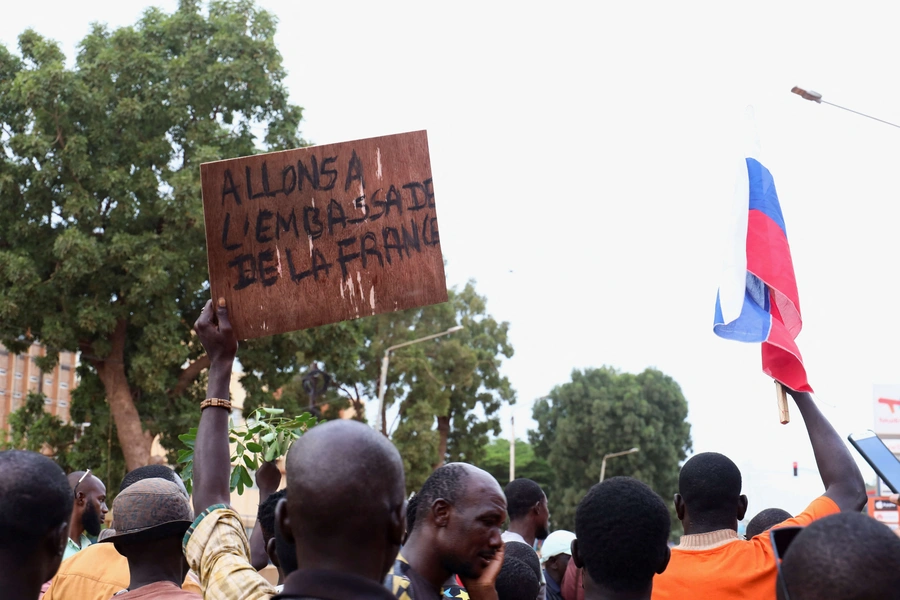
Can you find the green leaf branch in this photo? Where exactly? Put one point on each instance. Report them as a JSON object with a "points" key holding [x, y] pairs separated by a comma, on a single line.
{"points": [[266, 435]]}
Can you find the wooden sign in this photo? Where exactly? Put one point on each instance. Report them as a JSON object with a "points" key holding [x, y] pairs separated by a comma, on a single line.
{"points": [[305, 237]]}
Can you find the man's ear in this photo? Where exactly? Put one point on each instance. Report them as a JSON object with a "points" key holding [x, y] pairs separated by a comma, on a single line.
{"points": [[283, 521], [440, 512], [273, 555], [679, 507], [575, 556], [664, 562], [79, 498], [743, 503], [398, 525]]}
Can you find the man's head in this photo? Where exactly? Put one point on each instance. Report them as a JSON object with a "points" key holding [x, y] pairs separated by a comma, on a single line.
{"points": [[526, 503], [709, 490], [847, 555], [461, 509], [765, 521], [35, 506], [282, 554], [412, 505], [90, 501], [556, 552], [520, 575], [622, 529], [150, 517], [346, 499]]}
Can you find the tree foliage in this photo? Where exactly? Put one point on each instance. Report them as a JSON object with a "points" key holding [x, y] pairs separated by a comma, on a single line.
{"points": [[102, 248], [528, 464], [602, 411]]}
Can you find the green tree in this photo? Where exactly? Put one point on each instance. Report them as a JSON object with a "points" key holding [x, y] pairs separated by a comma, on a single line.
{"points": [[528, 464], [603, 411], [102, 246], [449, 389]]}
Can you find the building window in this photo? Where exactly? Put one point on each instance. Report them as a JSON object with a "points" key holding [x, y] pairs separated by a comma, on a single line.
{"points": [[48, 382], [63, 384], [2, 371], [17, 395], [65, 367], [48, 401], [33, 378], [2, 392], [18, 376], [62, 404]]}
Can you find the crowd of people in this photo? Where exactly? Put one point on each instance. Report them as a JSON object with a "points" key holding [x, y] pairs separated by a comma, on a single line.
{"points": [[343, 528]]}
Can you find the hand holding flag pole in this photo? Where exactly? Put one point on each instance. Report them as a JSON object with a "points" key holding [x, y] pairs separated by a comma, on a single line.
{"points": [[758, 300]]}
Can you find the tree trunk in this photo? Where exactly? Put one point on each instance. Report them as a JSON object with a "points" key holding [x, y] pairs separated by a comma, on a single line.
{"points": [[134, 440], [444, 433]]}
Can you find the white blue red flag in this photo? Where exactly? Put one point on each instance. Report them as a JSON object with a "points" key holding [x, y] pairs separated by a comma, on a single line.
{"points": [[758, 300]]}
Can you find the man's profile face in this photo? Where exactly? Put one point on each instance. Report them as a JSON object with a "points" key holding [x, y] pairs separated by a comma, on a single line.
{"points": [[95, 508], [473, 530]]}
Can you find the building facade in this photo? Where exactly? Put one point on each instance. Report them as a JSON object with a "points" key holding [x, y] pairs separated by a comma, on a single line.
{"points": [[19, 375]]}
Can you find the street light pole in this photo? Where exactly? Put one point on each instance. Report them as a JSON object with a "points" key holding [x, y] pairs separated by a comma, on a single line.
{"points": [[512, 448], [382, 382], [614, 455], [817, 98]]}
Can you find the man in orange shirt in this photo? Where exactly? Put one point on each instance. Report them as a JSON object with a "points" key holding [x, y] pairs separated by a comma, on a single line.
{"points": [[99, 571], [712, 561]]}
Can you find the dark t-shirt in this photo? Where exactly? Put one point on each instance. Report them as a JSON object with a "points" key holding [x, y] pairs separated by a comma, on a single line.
{"points": [[310, 584]]}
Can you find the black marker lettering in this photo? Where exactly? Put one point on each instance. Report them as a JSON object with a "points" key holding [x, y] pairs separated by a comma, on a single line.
{"points": [[414, 188], [411, 241], [265, 181], [284, 179], [225, 229], [267, 275], [391, 232], [282, 223], [435, 238], [246, 269], [393, 199], [312, 232], [335, 215], [332, 173], [262, 228], [345, 258], [250, 193], [354, 172], [360, 203], [428, 184], [319, 264], [378, 204], [228, 187], [311, 175], [295, 276], [365, 251]]}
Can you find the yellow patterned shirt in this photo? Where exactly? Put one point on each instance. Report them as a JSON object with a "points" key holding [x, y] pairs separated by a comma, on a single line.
{"points": [[405, 584], [217, 549]]}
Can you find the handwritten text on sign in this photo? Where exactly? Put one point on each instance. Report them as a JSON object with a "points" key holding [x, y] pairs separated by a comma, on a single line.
{"points": [[317, 235]]}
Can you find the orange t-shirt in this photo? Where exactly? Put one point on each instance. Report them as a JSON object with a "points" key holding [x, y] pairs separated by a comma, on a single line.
{"points": [[734, 570], [95, 573]]}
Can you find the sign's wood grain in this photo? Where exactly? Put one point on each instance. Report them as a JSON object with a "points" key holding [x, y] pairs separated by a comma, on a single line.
{"points": [[305, 237]]}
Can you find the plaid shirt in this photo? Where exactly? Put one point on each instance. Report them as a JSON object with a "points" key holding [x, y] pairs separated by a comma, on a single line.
{"points": [[217, 549]]}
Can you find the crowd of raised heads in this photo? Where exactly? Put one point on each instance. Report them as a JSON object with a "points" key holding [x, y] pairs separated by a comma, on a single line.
{"points": [[344, 528]]}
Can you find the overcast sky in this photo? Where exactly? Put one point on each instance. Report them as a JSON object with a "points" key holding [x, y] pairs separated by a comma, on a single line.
{"points": [[583, 159]]}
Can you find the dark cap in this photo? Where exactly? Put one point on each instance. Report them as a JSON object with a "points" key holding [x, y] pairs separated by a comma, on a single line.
{"points": [[150, 509]]}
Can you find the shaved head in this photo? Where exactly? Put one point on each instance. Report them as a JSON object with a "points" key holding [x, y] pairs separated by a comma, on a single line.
{"points": [[345, 497]]}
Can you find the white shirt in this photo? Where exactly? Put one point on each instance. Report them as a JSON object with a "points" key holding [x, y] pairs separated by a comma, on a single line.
{"points": [[512, 536]]}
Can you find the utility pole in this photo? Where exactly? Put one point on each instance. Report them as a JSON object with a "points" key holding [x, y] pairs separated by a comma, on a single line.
{"points": [[512, 448]]}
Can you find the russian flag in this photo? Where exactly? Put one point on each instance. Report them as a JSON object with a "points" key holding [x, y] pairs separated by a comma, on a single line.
{"points": [[758, 300]]}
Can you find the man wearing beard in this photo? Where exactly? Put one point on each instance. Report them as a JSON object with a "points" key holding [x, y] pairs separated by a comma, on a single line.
{"points": [[88, 512], [456, 531], [529, 517]]}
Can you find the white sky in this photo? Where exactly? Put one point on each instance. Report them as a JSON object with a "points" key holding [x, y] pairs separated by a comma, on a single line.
{"points": [[583, 157]]}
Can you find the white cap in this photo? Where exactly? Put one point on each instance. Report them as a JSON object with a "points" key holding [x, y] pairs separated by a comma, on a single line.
{"points": [[558, 542]]}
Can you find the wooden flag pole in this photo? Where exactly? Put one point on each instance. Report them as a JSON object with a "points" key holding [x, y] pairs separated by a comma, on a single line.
{"points": [[784, 413]]}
